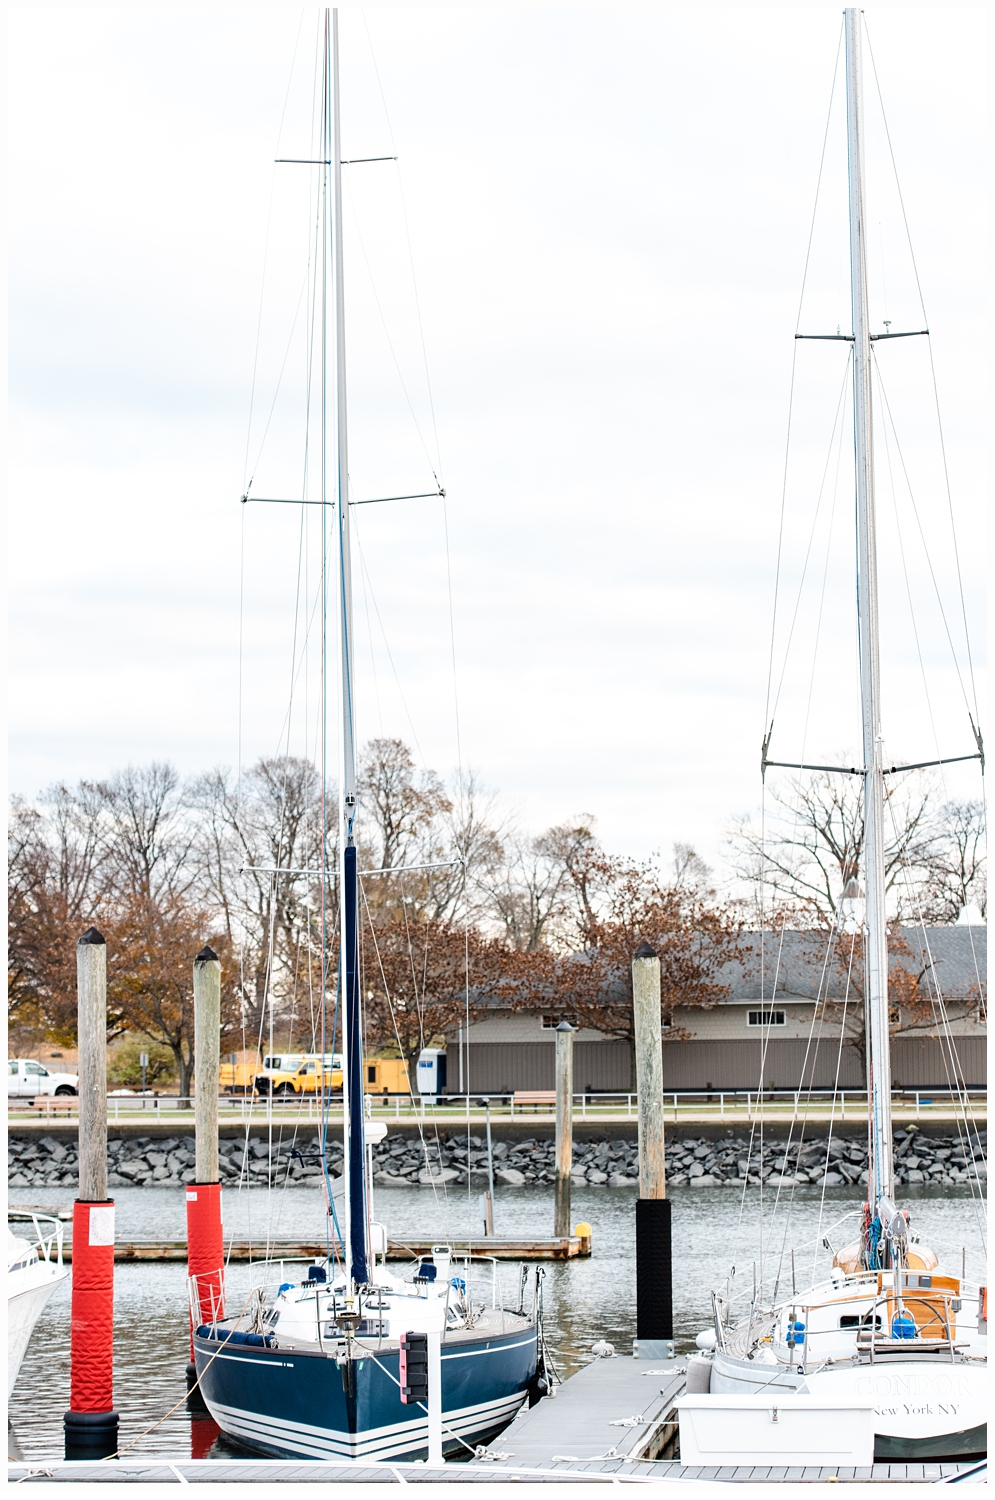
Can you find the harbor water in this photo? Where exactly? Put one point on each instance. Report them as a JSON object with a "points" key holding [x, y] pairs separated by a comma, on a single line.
{"points": [[585, 1300]]}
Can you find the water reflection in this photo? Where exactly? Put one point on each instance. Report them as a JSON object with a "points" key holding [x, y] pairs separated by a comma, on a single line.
{"points": [[585, 1300]]}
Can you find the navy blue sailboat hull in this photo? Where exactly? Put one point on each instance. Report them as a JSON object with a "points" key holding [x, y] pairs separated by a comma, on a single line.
{"points": [[303, 1404]]}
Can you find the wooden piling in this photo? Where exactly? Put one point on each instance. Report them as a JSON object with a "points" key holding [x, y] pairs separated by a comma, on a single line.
{"points": [[205, 1236], [564, 1126], [91, 990], [91, 1423], [649, 1071], [654, 1277], [207, 1061]]}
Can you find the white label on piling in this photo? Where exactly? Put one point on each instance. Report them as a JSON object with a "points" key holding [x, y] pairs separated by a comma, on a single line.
{"points": [[102, 1225], [191, 1197]]}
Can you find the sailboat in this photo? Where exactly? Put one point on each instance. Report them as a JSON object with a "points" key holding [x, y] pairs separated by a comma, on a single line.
{"points": [[887, 1323], [34, 1271], [328, 1360]]}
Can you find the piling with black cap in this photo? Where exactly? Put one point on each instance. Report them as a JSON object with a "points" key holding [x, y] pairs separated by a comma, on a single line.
{"points": [[654, 1277]]}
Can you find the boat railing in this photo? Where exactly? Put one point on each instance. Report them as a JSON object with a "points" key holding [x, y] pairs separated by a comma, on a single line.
{"points": [[467, 1259], [873, 1332], [205, 1295], [267, 1276], [47, 1242], [759, 1296]]}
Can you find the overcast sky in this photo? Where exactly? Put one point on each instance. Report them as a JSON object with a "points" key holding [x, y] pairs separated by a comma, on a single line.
{"points": [[608, 212]]}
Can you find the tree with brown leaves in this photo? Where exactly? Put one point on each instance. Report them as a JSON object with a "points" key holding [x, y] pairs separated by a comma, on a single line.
{"points": [[150, 978], [419, 974], [623, 904]]}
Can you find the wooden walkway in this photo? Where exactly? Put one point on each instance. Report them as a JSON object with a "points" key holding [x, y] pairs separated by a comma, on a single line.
{"points": [[568, 1248], [576, 1433], [158, 1469], [597, 1430]]}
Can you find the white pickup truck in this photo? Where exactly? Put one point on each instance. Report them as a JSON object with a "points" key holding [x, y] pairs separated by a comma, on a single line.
{"points": [[27, 1078]]}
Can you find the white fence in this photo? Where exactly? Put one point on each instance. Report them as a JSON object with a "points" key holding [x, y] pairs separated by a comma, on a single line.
{"points": [[729, 1104]]}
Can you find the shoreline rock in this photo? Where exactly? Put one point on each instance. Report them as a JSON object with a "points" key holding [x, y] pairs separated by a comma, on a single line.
{"points": [[400, 1161]]}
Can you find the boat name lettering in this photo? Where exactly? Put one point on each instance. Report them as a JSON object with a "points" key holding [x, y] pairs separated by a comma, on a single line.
{"points": [[899, 1386], [948, 1410]]}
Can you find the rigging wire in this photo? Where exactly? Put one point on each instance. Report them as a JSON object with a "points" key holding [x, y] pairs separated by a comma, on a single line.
{"points": [[948, 1051], [390, 656], [780, 548], [262, 282], [821, 996], [932, 366], [929, 561], [397, 1035], [390, 342], [837, 422], [915, 629], [836, 1092], [283, 365], [791, 388], [411, 258], [822, 596]]}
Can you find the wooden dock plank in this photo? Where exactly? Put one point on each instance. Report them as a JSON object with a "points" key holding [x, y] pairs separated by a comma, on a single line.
{"points": [[576, 1424], [569, 1248], [162, 1469]]}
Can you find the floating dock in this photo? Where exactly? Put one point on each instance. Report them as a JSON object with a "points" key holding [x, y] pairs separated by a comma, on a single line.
{"points": [[570, 1247], [615, 1420], [610, 1423]]}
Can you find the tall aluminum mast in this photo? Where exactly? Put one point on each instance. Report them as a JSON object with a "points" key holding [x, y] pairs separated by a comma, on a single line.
{"points": [[356, 1252], [881, 1167]]}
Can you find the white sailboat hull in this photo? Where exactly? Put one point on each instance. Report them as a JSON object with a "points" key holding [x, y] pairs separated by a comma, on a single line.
{"points": [[28, 1292]]}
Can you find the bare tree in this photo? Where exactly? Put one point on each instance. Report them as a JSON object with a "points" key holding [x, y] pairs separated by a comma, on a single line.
{"points": [[149, 835], [812, 845], [530, 893], [465, 841], [398, 803], [957, 869], [261, 848], [690, 870]]}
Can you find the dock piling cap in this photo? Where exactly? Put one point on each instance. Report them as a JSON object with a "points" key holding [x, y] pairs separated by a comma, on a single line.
{"points": [[583, 1231]]}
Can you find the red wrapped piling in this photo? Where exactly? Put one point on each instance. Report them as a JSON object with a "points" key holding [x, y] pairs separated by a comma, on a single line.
{"points": [[91, 1423], [205, 1250], [205, 1244]]}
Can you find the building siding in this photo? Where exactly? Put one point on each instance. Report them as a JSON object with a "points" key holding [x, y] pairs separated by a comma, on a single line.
{"points": [[606, 1066], [922, 1062], [504, 1067], [917, 1062]]}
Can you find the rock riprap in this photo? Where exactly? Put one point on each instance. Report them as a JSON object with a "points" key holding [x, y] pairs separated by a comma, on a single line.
{"points": [[402, 1160]]}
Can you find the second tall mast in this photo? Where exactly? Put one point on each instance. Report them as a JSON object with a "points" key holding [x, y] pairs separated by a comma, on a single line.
{"points": [[881, 1177]]}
